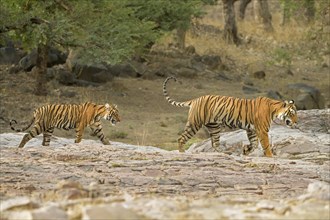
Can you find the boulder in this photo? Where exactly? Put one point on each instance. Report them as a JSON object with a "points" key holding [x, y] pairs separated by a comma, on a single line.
{"points": [[305, 96], [211, 61], [259, 74], [196, 62], [55, 57], [127, 70], [315, 120], [97, 73], [47, 212], [190, 50], [17, 202], [116, 211], [9, 55], [318, 190], [250, 89], [274, 95], [67, 78], [185, 72], [64, 77], [223, 77]]}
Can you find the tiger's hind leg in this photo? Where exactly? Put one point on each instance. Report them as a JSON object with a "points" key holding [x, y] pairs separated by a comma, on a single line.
{"points": [[35, 131], [214, 131], [189, 131], [79, 132], [47, 135], [98, 131], [253, 139]]}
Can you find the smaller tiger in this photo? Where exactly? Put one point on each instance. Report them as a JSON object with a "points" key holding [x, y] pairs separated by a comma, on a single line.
{"points": [[69, 116]]}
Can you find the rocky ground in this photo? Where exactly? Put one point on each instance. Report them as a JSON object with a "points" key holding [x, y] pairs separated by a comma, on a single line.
{"points": [[122, 181]]}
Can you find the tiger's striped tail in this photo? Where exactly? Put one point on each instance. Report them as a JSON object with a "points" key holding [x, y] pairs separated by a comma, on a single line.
{"points": [[168, 98], [22, 129]]}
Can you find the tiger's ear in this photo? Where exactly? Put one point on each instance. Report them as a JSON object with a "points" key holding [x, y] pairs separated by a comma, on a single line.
{"points": [[107, 106], [286, 103], [114, 105]]}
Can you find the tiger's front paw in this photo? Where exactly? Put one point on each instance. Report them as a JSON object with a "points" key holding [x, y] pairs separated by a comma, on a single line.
{"points": [[106, 142], [268, 153], [77, 141], [247, 149], [274, 149], [181, 150]]}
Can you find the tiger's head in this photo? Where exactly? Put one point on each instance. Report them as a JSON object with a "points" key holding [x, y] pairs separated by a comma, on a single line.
{"points": [[288, 114], [112, 114]]}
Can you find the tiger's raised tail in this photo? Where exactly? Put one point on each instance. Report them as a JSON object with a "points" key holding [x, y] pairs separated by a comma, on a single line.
{"points": [[22, 129], [168, 98]]}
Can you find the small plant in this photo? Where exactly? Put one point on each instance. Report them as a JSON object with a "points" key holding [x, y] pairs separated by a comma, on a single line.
{"points": [[117, 165], [282, 56], [190, 142], [142, 134]]}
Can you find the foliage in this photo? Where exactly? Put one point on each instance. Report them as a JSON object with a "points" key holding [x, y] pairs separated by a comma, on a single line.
{"points": [[102, 30], [323, 11], [301, 9], [289, 7], [169, 14]]}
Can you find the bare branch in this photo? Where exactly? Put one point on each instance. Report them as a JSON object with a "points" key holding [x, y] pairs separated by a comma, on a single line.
{"points": [[22, 26], [38, 21], [63, 5]]}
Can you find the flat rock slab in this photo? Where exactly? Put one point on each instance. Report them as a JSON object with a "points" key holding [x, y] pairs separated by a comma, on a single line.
{"points": [[90, 180], [209, 181]]}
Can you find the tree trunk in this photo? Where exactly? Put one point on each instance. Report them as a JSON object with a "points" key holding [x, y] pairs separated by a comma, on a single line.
{"points": [[264, 14], [180, 38], [285, 12], [230, 29], [41, 68], [309, 6], [242, 7], [303, 11]]}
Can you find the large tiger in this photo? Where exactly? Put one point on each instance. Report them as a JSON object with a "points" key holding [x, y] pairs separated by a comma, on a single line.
{"points": [[69, 116], [252, 115]]}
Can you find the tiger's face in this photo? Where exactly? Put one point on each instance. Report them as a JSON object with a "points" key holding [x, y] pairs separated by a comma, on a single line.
{"points": [[112, 114], [289, 114]]}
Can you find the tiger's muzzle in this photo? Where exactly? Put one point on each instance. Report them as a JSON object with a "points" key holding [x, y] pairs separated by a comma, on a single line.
{"points": [[290, 123], [113, 121]]}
